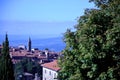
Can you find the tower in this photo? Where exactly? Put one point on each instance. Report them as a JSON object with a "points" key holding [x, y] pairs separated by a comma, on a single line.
{"points": [[47, 54], [29, 44]]}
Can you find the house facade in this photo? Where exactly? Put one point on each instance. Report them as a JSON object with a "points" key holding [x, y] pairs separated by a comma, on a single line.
{"points": [[50, 70]]}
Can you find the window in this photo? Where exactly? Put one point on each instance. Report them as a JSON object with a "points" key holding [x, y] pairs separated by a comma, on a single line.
{"points": [[55, 75], [49, 72], [45, 79], [45, 71]]}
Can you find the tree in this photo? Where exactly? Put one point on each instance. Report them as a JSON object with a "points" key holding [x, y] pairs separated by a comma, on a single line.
{"points": [[6, 65], [93, 51], [27, 65]]}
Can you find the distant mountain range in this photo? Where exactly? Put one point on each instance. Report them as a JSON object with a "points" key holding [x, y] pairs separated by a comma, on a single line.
{"points": [[53, 44]]}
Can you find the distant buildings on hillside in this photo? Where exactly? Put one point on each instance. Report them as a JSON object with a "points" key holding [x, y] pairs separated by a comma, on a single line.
{"points": [[36, 55], [48, 60]]}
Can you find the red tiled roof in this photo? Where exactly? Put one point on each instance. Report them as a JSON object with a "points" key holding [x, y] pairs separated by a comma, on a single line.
{"points": [[17, 54], [30, 55], [52, 65], [41, 57]]}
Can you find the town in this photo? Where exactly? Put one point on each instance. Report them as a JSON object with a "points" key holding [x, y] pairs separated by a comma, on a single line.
{"points": [[86, 34], [46, 59]]}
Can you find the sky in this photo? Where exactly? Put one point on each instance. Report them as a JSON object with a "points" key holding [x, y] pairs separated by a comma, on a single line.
{"points": [[47, 18]]}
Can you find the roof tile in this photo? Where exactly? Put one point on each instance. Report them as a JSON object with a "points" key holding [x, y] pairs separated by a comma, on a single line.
{"points": [[52, 65]]}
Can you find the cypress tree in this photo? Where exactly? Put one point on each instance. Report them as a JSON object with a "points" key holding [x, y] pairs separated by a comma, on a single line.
{"points": [[6, 65]]}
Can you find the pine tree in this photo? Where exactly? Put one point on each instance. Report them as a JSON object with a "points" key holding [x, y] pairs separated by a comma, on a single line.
{"points": [[93, 51], [6, 65]]}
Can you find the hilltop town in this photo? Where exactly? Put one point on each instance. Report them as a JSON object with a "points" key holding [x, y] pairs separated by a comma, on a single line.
{"points": [[46, 58]]}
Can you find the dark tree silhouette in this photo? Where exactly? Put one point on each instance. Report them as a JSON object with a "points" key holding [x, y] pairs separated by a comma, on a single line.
{"points": [[6, 65]]}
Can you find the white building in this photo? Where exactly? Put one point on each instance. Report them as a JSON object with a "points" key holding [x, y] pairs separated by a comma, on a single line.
{"points": [[22, 47], [50, 70]]}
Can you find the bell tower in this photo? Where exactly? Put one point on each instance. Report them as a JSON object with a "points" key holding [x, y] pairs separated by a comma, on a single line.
{"points": [[29, 44]]}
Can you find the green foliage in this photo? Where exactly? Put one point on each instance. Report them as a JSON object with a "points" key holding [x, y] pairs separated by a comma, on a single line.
{"points": [[93, 51], [6, 66], [27, 65]]}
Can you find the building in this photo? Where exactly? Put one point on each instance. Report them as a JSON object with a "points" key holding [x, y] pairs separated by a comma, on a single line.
{"points": [[36, 77], [50, 70], [29, 44], [28, 76], [22, 47]]}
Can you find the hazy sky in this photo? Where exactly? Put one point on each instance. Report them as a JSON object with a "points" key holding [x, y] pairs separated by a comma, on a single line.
{"points": [[40, 17]]}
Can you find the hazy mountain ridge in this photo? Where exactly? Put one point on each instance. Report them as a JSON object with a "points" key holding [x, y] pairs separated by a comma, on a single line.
{"points": [[54, 44]]}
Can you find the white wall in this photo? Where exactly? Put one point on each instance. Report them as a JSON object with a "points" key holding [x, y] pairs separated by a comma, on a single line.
{"points": [[49, 74]]}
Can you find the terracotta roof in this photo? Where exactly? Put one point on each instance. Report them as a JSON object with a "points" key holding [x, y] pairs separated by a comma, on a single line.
{"points": [[17, 53], [30, 55], [41, 57], [52, 65]]}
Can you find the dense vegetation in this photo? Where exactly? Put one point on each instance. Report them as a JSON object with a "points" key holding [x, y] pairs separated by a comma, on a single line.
{"points": [[93, 51], [6, 65], [27, 65]]}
